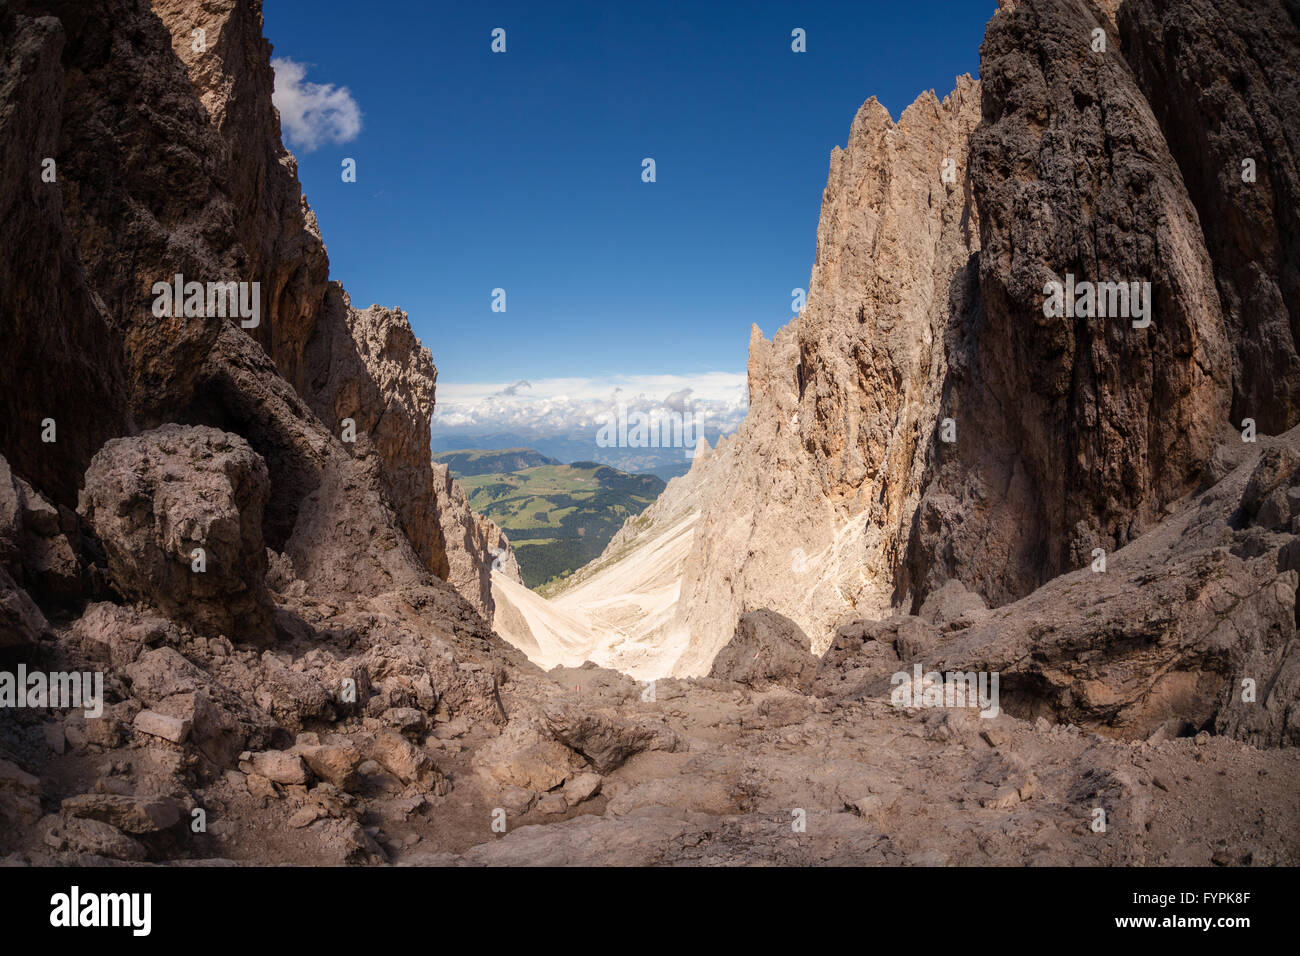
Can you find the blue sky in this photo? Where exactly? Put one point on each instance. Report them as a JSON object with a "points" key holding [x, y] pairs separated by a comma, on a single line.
{"points": [[522, 170]]}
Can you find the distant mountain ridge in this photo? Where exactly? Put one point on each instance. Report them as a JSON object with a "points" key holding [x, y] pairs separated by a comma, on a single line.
{"points": [[478, 461], [666, 463]]}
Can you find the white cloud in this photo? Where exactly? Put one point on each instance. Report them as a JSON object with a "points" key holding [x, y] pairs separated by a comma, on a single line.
{"points": [[679, 400], [566, 406], [313, 114]]}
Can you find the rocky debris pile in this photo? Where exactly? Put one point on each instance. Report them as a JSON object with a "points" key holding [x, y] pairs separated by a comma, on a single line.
{"points": [[1189, 627], [397, 729], [776, 777]]}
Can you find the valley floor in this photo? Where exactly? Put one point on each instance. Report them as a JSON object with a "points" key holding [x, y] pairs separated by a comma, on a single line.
{"points": [[618, 616]]}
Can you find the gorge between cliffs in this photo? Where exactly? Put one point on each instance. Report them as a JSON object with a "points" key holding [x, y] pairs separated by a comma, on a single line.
{"points": [[1009, 536]]}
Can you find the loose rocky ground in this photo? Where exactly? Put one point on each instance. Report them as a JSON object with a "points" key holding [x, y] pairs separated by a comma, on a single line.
{"points": [[709, 772]]}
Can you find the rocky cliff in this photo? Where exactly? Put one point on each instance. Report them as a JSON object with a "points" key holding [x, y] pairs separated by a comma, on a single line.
{"points": [[844, 399], [179, 479], [181, 170], [929, 434], [807, 509], [1072, 433]]}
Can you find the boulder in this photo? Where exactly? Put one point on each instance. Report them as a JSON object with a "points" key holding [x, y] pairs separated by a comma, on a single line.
{"points": [[552, 803], [162, 673], [952, 603], [334, 763], [293, 696], [94, 837], [522, 756], [408, 763], [132, 814], [20, 796], [37, 540], [214, 730], [407, 720], [178, 511], [151, 722], [1270, 492], [768, 648], [280, 766], [21, 621], [582, 787], [865, 654], [606, 738], [121, 634], [517, 801]]}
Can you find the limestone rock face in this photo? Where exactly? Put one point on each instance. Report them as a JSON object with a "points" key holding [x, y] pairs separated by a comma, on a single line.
{"points": [[327, 511], [362, 515], [1223, 81], [810, 503], [475, 546], [167, 160], [1071, 433], [373, 370], [178, 511], [69, 371], [231, 72], [362, 365], [925, 439], [136, 214]]}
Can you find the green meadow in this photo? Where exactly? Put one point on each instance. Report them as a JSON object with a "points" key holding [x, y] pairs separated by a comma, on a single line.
{"points": [[558, 517]]}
